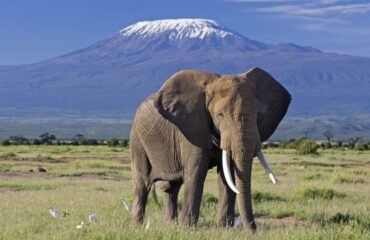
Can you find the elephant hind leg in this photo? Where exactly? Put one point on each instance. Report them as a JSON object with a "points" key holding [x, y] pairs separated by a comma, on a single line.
{"points": [[141, 198], [170, 194]]}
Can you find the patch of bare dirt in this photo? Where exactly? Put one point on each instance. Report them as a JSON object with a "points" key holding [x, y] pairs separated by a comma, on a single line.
{"points": [[25, 174], [118, 159], [27, 159]]}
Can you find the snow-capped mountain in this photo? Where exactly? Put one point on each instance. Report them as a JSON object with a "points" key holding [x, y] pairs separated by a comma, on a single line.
{"points": [[115, 74], [177, 29]]}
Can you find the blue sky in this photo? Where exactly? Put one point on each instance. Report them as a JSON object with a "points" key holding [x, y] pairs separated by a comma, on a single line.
{"points": [[35, 30]]}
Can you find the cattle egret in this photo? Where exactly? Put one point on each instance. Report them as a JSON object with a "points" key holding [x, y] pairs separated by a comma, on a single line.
{"points": [[80, 226], [147, 225], [93, 217], [54, 212], [238, 222], [128, 207]]}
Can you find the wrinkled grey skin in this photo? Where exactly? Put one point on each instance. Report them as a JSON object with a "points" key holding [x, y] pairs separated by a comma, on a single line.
{"points": [[179, 133]]}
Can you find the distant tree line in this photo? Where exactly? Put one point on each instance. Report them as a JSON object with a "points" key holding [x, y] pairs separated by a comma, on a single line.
{"points": [[51, 139], [303, 145]]}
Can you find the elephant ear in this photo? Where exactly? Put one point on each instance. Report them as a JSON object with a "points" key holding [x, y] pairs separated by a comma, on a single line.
{"points": [[274, 99], [182, 101]]}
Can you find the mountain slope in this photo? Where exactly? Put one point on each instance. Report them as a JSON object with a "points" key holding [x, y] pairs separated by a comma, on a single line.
{"points": [[114, 75]]}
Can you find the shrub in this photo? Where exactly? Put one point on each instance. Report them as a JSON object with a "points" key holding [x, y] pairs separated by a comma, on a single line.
{"points": [[306, 147], [315, 192], [36, 142], [348, 219], [270, 145], [208, 200], [18, 140], [314, 176], [361, 147], [87, 141], [264, 196], [113, 142], [4, 143], [124, 142]]}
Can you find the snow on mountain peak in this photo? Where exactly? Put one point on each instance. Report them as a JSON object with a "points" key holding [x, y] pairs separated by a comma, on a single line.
{"points": [[177, 28]]}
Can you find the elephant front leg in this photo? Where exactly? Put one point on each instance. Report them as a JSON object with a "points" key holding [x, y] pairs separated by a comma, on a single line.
{"points": [[226, 201], [194, 178]]}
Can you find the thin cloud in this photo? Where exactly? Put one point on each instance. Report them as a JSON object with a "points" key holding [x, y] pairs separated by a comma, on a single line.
{"points": [[317, 11], [314, 15]]}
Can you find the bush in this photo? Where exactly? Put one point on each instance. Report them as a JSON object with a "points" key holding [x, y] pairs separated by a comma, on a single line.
{"points": [[113, 142], [36, 142], [208, 200], [293, 143], [18, 140], [86, 141], [4, 143], [361, 147], [264, 196], [124, 142], [270, 145], [314, 176], [305, 147]]}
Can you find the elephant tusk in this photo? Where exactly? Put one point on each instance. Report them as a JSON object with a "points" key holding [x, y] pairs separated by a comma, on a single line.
{"points": [[266, 166], [227, 173]]}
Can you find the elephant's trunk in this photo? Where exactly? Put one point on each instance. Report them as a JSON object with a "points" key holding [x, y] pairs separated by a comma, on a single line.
{"points": [[242, 146], [243, 171]]}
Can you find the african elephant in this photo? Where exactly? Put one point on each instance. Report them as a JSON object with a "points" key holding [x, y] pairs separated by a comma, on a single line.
{"points": [[198, 120]]}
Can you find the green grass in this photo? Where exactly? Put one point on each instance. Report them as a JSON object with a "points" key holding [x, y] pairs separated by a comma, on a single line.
{"points": [[24, 186], [310, 201], [316, 192], [7, 154]]}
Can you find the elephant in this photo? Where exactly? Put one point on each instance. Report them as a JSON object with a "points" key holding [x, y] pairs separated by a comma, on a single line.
{"points": [[199, 120]]}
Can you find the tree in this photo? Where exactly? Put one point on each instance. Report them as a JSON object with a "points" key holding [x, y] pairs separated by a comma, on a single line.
{"points": [[47, 138], [19, 139], [113, 142], [88, 141], [305, 147], [78, 137], [353, 141], [306, 134], [329, 136], [4, 143], [124, 142]]}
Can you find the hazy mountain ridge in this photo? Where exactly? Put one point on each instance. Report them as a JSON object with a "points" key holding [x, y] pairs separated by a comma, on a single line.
{"points": [[115, 74]]}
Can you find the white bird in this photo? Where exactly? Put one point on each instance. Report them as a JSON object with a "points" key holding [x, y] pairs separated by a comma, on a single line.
{"points": [[80, 226], [93, 217], [54, 212], [128, 207], [238, 222], [147, 225]]}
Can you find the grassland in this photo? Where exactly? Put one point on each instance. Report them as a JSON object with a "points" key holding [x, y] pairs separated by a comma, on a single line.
{"points": [[317, 197]]}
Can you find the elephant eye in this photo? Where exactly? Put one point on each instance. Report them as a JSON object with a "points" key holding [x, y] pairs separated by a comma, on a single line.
{"points": [[220, 116]]}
